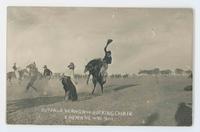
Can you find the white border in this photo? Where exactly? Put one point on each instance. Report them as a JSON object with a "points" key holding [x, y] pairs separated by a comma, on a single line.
{"points": [[195, 4]]}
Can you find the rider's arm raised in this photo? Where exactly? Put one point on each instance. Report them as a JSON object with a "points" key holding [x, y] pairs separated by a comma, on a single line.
{"points": [[105, 48]]}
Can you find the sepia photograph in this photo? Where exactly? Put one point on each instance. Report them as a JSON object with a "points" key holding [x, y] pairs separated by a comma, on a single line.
{"points": [[104, 66]]}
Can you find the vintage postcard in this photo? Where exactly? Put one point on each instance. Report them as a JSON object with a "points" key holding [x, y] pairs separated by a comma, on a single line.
{"points": [[99, 66]]}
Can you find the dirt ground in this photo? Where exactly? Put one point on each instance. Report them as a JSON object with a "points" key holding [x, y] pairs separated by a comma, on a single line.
{"points": [[131, 101]]}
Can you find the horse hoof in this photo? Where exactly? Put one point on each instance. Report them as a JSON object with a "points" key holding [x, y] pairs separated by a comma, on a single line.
{"points": [[65, 98]]}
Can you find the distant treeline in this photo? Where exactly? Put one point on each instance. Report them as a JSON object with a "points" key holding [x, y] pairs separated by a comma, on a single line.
{"points": [[150, 72], [157, 71]]}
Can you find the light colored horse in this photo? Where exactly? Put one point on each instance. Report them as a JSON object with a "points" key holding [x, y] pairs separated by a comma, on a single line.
{"points": [[34, 75], [11, 75], [18, 74]]}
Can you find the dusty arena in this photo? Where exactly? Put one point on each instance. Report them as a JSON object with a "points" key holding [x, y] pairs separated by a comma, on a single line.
{"points": [[145, 100]]}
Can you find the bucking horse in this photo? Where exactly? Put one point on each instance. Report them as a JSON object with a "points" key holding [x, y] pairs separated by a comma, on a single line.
{"points": [[34, 75], [94, 67]]}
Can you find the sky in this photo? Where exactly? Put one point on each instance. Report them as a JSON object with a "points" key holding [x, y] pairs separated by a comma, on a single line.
{"points": [[143, 38]]}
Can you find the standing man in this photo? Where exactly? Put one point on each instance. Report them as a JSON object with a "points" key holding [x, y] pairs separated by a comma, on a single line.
{"points": [[47, 73], [70, 72], [106, 60], [69, 83]]}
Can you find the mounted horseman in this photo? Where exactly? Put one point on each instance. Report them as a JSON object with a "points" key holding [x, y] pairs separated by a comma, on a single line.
{"points": [[47, 72], [17, 73]]}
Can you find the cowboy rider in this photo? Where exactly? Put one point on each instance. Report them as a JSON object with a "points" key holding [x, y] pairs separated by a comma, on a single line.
{"points": [[106, 60], [47, 72]]}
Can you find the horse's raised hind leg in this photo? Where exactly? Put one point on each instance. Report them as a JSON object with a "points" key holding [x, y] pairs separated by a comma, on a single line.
{"points": [[101, 88], [28, 86], [95, 83], [88, 78], [94, 89], [34, 88]]}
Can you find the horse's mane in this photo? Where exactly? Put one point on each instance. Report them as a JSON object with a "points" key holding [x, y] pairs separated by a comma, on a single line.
{"points": [[94, 66], [95, 62]]}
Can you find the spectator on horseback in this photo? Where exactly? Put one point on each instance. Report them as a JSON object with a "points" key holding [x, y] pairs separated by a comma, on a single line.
{"points": [[106, 60], [14, 67], [16, 70], [47, 72]]}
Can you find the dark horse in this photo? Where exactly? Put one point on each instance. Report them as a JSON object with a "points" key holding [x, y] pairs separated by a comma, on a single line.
{"points": [[69, 86], [93, 67]]}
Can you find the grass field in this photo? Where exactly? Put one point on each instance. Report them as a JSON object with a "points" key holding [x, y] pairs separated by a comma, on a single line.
{"points": [[150, 100]]}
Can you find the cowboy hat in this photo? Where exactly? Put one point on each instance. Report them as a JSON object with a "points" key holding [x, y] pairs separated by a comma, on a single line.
{"points": [[109, 41], [45, 66], [71, 65]]}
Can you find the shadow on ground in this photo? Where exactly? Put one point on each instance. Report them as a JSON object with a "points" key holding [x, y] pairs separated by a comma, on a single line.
{"points": [[108, 89], [15, 105], [124, 87]]}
